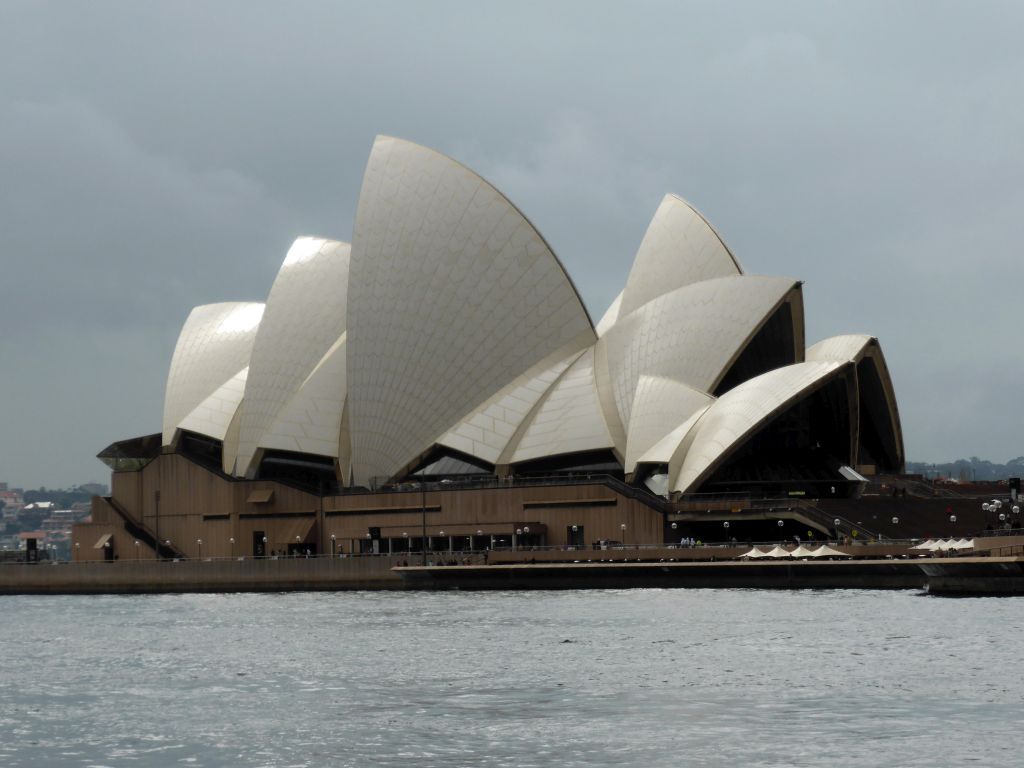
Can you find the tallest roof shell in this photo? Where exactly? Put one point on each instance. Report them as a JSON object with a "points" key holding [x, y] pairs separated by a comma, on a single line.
{"points": [[453, 295]]}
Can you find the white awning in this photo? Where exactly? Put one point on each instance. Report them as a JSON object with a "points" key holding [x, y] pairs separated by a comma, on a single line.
{"points": [[102, 541], [851, 474], [826, 551]]}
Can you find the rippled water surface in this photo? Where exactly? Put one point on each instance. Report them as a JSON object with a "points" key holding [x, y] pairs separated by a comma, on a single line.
{"points": [[641, 677]]}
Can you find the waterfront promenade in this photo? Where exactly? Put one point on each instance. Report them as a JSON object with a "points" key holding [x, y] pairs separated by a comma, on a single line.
{"points": [[702, 567]]}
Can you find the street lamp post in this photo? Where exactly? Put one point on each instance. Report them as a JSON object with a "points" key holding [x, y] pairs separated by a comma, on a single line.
{"points": [[231, 542], [156, 523], [264, 547], [622, 530], [836, 524], [423, 521], [334, 540], [515, 538], [199, 545]]}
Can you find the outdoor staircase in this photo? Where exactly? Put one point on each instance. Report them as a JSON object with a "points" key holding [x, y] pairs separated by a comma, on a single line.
{"points": [[142, 532]]}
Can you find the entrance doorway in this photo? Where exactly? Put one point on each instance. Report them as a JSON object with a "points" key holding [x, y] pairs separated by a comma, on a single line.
{"points": [[259, 544]]}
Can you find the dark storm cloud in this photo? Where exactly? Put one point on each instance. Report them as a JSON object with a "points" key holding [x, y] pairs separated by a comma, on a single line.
{"points": [[158, 156]]}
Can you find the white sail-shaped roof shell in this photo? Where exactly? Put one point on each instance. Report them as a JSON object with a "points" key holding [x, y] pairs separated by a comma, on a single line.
{"points": [[304, 318], [856, 348], [610, 317], [213, 416], [679, 248], [454, 295], [669, 450], [214, 345], [659, 405], [740, 412], [486, 433], [569, 420], [310, 422], [850, 347], [690, 334]]}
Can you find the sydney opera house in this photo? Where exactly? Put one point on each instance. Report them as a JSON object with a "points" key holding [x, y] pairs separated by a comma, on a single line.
{"points": [[439, 384]]}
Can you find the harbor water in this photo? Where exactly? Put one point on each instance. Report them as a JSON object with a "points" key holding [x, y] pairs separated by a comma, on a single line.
{"points": [[603, 678]]}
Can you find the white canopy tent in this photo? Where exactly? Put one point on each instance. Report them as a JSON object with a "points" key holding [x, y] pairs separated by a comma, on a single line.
{"points": [[755, 553], [826, 551]]}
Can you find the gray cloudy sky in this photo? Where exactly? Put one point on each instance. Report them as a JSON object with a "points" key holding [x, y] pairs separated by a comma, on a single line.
{"points": [[155, 156]]}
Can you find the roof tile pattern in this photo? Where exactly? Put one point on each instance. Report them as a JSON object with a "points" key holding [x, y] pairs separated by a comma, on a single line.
{"points": [[305, 316], [458, 295], [689, 334], [659, 405], [679, 248], [487, 432], [213, 416], [740, 411], [311, 419], [214, 344], [569, 420]]}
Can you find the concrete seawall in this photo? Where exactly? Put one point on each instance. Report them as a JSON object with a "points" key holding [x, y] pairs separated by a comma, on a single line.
{"points": [[980, 575], [248, 575], [865, 574]]}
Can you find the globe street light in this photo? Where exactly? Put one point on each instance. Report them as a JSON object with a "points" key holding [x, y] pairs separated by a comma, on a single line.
{"points": [[334, 539], [231, 541]]}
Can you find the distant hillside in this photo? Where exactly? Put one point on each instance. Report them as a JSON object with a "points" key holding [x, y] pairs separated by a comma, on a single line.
{"points": [[969, 469]]}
